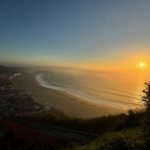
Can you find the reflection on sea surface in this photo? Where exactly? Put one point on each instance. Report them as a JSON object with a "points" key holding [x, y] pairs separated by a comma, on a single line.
{"points": [[117, 90]]}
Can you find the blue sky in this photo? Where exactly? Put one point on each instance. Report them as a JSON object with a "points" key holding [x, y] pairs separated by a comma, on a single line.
{"points": [[73, 33]]}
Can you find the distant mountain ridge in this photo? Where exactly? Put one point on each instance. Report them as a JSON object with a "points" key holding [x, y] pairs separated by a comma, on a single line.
{"points": [[4, 69]]}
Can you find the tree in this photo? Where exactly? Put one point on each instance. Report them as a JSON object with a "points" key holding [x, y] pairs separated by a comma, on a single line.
{"points": [[146, 98]]}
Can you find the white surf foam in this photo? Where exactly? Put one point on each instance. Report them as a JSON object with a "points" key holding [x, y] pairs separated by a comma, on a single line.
{"points": [[86, 97]]}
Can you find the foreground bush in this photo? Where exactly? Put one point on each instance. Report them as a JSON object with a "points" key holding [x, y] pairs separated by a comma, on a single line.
{"points": [[125, 132]]}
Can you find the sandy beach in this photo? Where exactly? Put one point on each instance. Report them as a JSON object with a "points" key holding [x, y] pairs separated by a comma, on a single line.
{"points": [[67, 103]]}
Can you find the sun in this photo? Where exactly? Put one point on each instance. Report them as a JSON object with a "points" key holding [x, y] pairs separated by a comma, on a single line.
{"points": [[142, 64]]}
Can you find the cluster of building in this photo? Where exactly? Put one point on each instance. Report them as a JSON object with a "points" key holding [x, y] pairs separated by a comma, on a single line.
{"points": [[8, 76], [14, 102]]}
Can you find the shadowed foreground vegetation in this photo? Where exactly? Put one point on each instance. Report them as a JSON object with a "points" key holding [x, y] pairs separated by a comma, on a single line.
{"points": [[131, 132], [15, 136]]}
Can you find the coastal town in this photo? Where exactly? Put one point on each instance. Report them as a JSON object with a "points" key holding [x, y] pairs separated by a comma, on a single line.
{"points": [[13, 101]]}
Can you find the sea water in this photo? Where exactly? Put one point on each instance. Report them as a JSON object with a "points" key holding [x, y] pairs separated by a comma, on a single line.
{"points": [[113, 89]]}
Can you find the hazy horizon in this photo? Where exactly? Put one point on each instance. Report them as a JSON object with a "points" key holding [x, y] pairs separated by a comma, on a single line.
{"points": [[86, 34]]}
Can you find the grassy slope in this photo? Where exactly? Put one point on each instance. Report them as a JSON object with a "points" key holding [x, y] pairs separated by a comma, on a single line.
{"points": [[16, 136], [117, 132], [133, 134], [99, 125]]}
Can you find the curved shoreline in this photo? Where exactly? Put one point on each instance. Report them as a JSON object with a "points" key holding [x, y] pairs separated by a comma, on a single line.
{"points": [[69, 104], [84, 96]]}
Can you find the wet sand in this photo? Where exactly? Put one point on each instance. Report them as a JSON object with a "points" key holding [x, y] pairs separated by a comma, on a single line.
{"points": [[67, 103]]}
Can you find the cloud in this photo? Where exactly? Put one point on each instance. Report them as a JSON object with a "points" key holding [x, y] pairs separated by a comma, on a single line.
{"points": [[91, 60], [94, 59], [102, 58], [107, 19], [112, 17]]}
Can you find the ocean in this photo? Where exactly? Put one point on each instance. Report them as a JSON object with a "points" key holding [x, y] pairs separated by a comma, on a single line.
{"points": [[114, 89]]}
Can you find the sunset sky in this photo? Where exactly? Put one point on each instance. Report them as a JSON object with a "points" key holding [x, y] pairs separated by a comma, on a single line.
{"points": [[90, 34]]}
